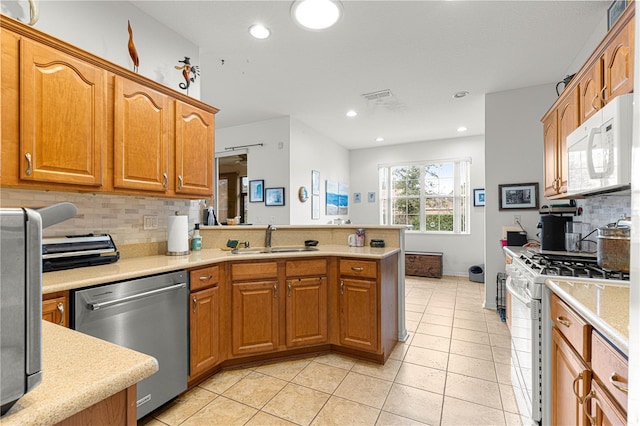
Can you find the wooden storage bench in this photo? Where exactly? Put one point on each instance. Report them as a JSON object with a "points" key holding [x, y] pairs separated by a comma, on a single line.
{"points": [[423, 264]]}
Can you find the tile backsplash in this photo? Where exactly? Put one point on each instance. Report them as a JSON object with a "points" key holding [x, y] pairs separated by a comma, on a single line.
{"points": [[604, 209], [118, 215]]}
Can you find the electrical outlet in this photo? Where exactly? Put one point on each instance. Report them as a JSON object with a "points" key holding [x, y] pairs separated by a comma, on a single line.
{"points": [[517, 219], [150, 222]]}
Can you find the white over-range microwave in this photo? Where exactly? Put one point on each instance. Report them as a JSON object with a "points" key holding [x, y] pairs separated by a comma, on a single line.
{"points": [[599, 151]]}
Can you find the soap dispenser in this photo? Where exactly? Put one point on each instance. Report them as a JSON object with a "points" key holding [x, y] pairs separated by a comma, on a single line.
{"points": [[196, 240]]}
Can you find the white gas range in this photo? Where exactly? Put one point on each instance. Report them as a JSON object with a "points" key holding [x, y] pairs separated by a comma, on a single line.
{"points": [[531, 324]]}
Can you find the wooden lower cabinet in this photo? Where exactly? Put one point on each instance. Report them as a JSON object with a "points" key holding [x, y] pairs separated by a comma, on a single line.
{"points": [[571, 378], [306, 311], [204, 331], [55, 308], [118, 409], [359, 314], [254, 317]]}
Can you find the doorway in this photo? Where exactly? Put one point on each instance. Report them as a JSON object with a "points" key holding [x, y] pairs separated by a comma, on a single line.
{"points": [[232, 186]]}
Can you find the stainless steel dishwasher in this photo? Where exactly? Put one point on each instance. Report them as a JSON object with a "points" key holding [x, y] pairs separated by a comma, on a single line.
{"points": [[149, 315]]}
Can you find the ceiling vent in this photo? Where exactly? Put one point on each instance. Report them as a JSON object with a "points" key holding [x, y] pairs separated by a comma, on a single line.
{"points": [[374, 96]]}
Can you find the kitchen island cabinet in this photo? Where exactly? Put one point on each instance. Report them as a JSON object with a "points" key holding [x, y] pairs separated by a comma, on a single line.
{"points": [[85, 381]]}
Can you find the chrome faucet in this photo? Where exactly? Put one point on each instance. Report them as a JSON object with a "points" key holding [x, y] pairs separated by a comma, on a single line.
{"points": [[267, 238]]}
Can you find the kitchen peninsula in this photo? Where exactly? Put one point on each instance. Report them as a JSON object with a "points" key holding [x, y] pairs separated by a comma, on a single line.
{"points": [[332, 298]]}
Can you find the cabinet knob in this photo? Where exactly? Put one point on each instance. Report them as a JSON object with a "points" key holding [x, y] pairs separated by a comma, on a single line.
{"points": [[275, 290], [357, 269], [289, 289], [206, 278], [165, 181], [195, 303], [341, 287], [28, 157], [180, 182], [563, 321], [615, 381]]}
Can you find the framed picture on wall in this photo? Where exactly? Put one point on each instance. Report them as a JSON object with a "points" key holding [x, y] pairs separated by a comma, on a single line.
{"points": [[315, 182], [274, 196], [518, 196], [478, 197], [315, 207], [256, 191]]}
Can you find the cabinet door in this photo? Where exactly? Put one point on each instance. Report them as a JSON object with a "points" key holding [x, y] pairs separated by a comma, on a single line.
{"points": [[568, 121], [591, 91], [142, 131], [254, 322], [602, 411], [550, 130], [63, 117], [359, 314], [55, 310], [618, 63], [204, 330], [194, 150], [306, 311], [570, 379]]}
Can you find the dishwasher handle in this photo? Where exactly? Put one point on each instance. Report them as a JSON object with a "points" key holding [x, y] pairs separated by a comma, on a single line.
{"points": [[96, 306]]}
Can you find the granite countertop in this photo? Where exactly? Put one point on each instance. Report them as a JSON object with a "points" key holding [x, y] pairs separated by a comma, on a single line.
{"points": [[78, 371], [604, 306], [125, 269]]}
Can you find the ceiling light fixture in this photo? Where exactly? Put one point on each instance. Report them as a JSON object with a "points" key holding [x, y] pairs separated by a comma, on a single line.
{"points": [[351, 113], [316, 15], [259, 31], [379, 139], [461, 94], [462, 129]]}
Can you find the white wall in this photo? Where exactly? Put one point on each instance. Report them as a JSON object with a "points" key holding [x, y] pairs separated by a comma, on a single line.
{"points": [[100, 27], [513, 154], [313, 151], [269, 162], [460, 251]]}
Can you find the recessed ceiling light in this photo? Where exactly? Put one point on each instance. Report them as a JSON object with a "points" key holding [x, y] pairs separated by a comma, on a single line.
{"points": [[259, 31], [351, 113], [462, 129], [316, 15], [461, 94], [379, 139]]}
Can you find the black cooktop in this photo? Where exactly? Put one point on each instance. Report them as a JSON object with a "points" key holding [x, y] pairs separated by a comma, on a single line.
{"points": [[566, 265]]}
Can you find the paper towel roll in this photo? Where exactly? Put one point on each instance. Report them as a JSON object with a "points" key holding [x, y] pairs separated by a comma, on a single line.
{"points": [[178, 235]]}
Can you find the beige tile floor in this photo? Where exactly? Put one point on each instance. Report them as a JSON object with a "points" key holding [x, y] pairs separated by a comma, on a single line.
{"points": [[453, 370]]}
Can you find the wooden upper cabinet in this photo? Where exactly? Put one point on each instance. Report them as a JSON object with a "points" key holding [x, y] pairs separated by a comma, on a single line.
{"points": [[568, 121], [591, 90], [62, 116], [618, 63], [194, 150], [550, 129], [142, 130]]}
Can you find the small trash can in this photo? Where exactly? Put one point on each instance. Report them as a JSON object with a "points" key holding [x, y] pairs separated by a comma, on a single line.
{"points": [[476, 273]]}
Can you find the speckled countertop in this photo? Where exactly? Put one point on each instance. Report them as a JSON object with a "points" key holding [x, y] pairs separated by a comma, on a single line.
{"points": [[148, 265], [78, 371], [604, 306]]}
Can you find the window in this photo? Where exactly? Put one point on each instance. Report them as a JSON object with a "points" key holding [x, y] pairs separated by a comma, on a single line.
{"points": [[429, 196]]}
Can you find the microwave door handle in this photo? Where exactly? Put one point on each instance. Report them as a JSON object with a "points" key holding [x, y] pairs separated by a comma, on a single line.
{"points": [[592, 171]]}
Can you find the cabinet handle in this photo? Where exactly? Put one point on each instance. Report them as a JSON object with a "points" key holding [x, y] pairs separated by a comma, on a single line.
{"points": [[179, 181], [61, 310], [593, 102], [275, 290], [165, 181], [357, 269], [206, 278], [341, 287], [28, 157], [195, 303], [602, 93], [586, 407], [564, 321], [289, 289], [575, 387], [621, 386]]}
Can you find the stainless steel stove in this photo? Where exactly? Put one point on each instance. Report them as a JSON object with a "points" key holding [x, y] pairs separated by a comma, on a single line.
{"points": [[567, 265]]}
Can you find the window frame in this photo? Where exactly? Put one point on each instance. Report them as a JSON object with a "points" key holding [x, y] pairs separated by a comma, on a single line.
{"points": [[460, 211]]}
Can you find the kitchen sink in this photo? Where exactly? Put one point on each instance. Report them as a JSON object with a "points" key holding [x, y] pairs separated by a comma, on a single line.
{"points": [[260, 250]]}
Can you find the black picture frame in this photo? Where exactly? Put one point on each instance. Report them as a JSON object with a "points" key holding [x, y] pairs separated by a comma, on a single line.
{"points": [[274, 196], [614, 11], [478, 197], [518, 196], [256, 191]]}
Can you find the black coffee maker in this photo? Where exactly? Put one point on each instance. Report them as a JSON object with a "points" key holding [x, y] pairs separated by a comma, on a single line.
{"points": [[552, 232]]}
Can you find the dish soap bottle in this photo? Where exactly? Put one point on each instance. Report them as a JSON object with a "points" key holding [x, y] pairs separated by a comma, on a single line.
{"points": [[196, 240]]}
